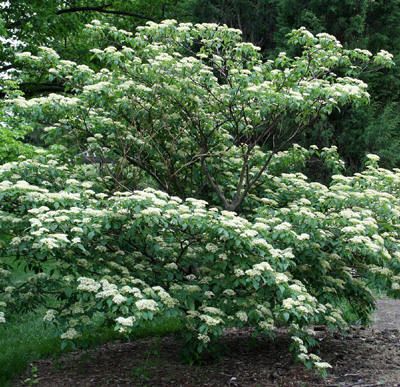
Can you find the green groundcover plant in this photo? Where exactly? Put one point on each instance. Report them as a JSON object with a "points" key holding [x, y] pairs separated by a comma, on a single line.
{"points": [[228, 232]]}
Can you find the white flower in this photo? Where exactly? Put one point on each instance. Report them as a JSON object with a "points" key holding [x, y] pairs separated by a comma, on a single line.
{"points": [[229, 292], [303, 357], [213, 310], [171, 266], [211, 321], [250, 233], [288, 303], [151, 211], [303, 237], [119, 299], [126, 321], [238, 272], [70, 334], [97, 86], [284, 226], [242, 316], [39, 210], [372, 157], [50, 315], [211, 247], [262, 243], [267, 325], [280, 277], [2, 318], [297, 340], [262, 266], [60, 237], [296, 288], [322, 365], [204, 338], [50, 243], [131, 290], [387, 56], [147, 305], [253, 272], [15, 241], [88, 285]]}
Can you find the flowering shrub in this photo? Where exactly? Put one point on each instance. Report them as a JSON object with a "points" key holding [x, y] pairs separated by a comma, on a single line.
{"points": [[128, 257], [193, 107], [201, 119]]}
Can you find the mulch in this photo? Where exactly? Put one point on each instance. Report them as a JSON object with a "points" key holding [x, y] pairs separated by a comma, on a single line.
{"points": [[361, 357]]}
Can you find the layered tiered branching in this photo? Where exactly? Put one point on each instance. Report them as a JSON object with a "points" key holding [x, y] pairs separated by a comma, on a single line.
{"points": [[194, 108], [128, 257], [196, 114]]}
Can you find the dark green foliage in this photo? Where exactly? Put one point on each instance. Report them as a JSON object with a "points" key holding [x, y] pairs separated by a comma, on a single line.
{"points": [[373, 25]]}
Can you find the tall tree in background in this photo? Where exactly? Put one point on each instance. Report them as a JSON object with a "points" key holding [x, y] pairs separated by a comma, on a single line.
{"points": [[256, 18], [367, 24]]}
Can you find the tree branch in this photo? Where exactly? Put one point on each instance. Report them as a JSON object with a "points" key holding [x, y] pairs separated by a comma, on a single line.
{"points": [[30, 88], [213, 183], [6, 68], [103, 9]]}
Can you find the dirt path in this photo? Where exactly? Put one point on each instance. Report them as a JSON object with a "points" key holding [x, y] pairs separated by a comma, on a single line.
{"points": [[387, 315], [363, 357]]}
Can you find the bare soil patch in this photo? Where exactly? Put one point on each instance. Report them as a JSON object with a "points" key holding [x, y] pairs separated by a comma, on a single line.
{"points": [[362, 357]]}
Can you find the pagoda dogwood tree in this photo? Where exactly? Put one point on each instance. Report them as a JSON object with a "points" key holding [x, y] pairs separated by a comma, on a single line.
{"points": [[200, 118], [124, 258], [193, 107]]}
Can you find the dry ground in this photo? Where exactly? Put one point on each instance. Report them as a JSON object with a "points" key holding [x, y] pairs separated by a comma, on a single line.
{"points": [[363, 357]]}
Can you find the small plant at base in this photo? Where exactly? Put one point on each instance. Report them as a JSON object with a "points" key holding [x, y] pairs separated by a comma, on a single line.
{"points": [[33, 379]]}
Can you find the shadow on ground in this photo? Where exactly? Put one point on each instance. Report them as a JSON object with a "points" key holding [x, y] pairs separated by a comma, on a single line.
{"points": [[362, 357]]}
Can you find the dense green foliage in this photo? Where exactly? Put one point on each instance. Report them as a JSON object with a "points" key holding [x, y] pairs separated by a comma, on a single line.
{"points": [[198, 117], [367, 24], [149, 170]]}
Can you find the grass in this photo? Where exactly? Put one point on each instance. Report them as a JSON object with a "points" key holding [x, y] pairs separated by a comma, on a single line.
{"points": [[25, 338], [22, 341]]}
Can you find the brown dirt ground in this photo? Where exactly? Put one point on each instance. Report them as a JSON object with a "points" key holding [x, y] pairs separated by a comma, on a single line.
{"points": [[362, 357]]}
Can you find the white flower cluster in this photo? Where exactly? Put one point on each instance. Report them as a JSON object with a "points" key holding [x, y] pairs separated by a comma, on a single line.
{"points": [[70, 334], [126, 321], [50, 315], [146, 304]]}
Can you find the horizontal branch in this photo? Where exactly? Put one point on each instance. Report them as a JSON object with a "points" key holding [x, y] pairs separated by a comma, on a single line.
{"points": [[31, 89], [103, 9], [6, 68]]}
